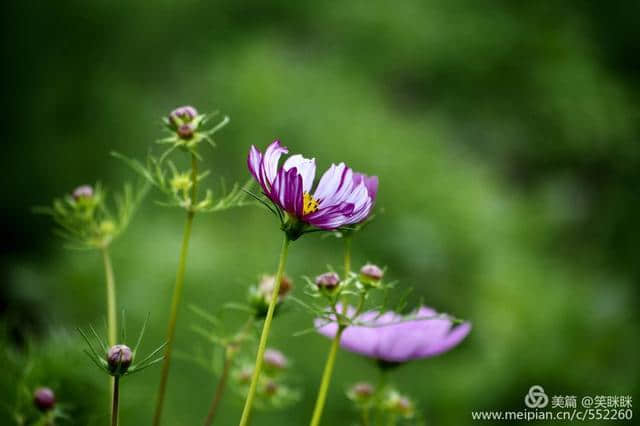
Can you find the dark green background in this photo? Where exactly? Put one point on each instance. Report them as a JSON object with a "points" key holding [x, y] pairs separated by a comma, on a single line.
{"points": [[505, 136]]}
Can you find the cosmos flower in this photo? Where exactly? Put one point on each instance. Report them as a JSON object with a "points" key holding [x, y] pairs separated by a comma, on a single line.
{"points": [[342, 197], [394, 338]]}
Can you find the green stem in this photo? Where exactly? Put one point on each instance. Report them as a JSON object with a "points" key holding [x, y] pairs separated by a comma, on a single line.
{"points": [[365, 416], [326, 379], [347, 256], [116, 401], [111, 297], [391, 421], [380, 393], [246, 412], [177, 295], [219, 391], [112, 322]]}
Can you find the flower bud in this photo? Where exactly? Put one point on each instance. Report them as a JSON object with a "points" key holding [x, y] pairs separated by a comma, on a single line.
{"points": [[44, 399], [119, 359], [260, 295], [328, 281], [270, 388], [185, 131], [274, 360], [399, 404], [244, 375], [182, 115], [371, 274], [361, 392], [82, 192]]}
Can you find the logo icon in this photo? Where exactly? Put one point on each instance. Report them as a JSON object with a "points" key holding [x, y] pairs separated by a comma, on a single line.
{"points": [[536, 398]]}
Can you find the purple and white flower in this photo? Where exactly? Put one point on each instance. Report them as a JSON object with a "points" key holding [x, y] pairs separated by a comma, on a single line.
{"points": [[392, 337], [342, 196]]}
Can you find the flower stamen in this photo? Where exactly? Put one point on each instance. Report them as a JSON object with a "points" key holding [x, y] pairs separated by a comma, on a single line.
{"points": [[309, 204]]}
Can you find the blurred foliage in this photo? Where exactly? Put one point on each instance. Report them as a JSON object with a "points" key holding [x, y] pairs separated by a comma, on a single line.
{"points": [[506, 138]]}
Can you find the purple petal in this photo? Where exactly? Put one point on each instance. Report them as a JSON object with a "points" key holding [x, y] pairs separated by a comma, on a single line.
{"points": [[332, 217], [453, 338], [287, 191], [392, 337], [371, 182], [269, 163], [253, 161]]}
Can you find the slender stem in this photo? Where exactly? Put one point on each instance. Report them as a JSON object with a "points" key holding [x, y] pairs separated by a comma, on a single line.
{"points": [[391, 421], [246, 412], [347, 256], [116, 401], [219, 391], [177, 296], [112, 323], [230, 351], [326, 379], [335, 344], [365, 416], [380, 392]]}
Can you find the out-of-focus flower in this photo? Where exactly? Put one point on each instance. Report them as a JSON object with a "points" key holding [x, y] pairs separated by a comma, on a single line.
{"points": [[266, 287], [270, 388], [371, 274], [275, 360], [395, 338], [81, 192], [361, 392], [399, 404], [183, 121], [44, 399], [119, 359], [338, 199], [260, 295], [328, 280], [244, 375]]}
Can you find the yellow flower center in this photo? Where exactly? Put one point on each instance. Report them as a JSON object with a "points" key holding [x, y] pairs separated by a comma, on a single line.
{"points": [[309, 204]]}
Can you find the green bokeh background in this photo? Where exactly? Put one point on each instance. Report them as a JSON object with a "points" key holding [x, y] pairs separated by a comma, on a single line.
{"points": [[506, 139]]}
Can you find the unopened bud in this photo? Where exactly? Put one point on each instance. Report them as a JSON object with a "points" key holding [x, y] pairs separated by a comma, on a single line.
{"points": [[361, 392], [244, 376], [119, 359], [328, 280], [82, 192], [44, 399], [268, 281], [371, 274], [274, 359], [181, 115], [399, 404], [185, 131], [271, 388]]}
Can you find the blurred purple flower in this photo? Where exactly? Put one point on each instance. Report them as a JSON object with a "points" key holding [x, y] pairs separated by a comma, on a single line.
{"points": [[392, 337], [83, 191], [275, 359], [328, 280], [341, 197], [44, 399], [183, 114]]}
